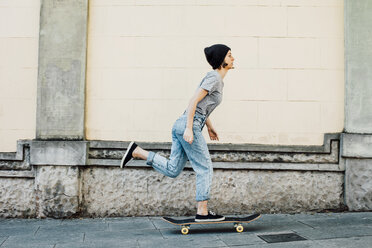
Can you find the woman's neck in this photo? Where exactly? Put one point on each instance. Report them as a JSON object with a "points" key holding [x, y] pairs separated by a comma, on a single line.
{"points": [[222, 72]]}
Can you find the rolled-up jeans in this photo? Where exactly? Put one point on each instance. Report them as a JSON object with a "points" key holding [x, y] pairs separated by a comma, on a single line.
{"points": [[196, 152]]}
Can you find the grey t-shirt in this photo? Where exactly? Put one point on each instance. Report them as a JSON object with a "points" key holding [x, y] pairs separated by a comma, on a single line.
{"points": [[213, 83]]}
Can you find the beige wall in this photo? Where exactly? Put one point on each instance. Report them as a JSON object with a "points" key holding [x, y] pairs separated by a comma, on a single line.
{"points": [[145, 59], [19, 34]]}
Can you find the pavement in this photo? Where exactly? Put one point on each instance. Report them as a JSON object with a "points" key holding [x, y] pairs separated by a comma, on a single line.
{"points": [[346, 229]]}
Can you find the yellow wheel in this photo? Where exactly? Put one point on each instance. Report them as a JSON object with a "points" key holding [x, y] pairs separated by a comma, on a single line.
{"points": [[184, 230], [239, 228]]}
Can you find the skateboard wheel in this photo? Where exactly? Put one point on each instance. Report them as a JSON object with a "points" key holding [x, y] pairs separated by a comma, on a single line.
{"points": [[239, 228], [184, 230]]}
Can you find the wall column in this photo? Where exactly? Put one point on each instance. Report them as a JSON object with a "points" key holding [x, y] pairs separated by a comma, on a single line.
{"points": [[357, 136], [59, 148], [62, 66]]}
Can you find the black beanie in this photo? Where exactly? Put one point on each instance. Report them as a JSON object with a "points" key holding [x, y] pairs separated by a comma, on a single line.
{"points": [[216, 54]]}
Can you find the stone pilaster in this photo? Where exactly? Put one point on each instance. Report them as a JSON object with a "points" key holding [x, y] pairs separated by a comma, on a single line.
{"points": [[62, 66], [357, 136], [59, 149]]}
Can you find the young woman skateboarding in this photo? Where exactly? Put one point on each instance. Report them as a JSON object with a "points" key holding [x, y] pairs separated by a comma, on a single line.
{"points": [[187, 139]]}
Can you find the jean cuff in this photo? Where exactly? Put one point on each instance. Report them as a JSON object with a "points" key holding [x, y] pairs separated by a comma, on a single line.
{"points": [[198, 199], [150, 158]]}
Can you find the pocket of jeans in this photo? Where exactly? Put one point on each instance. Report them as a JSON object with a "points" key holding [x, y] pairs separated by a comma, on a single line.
{"points": [[178, 126]]}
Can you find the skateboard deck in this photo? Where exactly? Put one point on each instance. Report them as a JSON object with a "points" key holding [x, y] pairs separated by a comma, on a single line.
{"points": [[186, 223]]}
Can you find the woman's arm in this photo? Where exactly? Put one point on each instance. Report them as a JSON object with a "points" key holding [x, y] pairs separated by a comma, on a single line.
{"points": [[212, 133], [188, 135], [198, 96], [209, 124]]}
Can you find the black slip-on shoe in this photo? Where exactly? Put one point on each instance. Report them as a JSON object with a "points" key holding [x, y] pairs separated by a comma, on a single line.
{"points": [[128, 154], [210, 217]]}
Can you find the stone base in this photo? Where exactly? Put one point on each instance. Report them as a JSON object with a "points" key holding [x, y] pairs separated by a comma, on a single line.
{"points": [[17, 198], [60, 192], [57, 190], [358, 184], [64, 179], [138, 192]]}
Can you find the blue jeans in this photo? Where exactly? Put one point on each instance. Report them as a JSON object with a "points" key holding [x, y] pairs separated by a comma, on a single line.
{"points": [[181, 150]]}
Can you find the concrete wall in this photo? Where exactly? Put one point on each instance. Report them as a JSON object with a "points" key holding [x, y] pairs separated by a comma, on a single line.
{"points": [[145, 60], [19, 42], [36, 181]]}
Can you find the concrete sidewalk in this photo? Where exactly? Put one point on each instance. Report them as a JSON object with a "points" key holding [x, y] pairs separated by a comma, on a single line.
{"points": [[319, 230]]}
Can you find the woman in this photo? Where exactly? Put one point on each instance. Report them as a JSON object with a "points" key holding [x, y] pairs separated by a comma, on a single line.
{"points": [[187, 139]]}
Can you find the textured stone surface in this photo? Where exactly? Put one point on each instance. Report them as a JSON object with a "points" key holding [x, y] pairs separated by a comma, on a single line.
{"points": [[58, 152], [239, 156], [115, 192], [57, 190], [17, 198], [129, 192], [356, 145], [277, 191], [358, 184], [19, 161]]}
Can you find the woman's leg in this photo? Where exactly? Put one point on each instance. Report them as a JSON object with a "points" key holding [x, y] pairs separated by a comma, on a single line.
{"points": [[171, 167], [200, 159]]}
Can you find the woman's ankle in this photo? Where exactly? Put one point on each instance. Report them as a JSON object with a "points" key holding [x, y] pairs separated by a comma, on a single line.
{"points": [[140, 153], [202, 208], [135, 153], [202, 212]]}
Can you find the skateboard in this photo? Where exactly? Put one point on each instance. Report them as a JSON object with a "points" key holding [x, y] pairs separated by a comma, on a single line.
{"points": [[186, 223]]}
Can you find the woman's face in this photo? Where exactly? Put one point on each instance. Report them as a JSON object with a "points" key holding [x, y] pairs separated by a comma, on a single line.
{"points": [[229, 60]]}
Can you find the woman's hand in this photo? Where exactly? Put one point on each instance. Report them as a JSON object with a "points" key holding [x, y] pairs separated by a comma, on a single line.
{"points": [[213, 134], [188, 135]]}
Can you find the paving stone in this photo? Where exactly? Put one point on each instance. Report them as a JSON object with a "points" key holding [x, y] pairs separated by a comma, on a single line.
{"points": [[339, 221], [235, 239], [76, 228], [193, 233], [137, 224], [2, 239], [183, 241], [119, 236], [353, 242], [99, 244], [123, 219], [161, 224], [60, 237], [294, 244], [83, 221], [29, 222], [327, 232], [18, 230], [27, 245], [323, 230], [274, 226]]}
